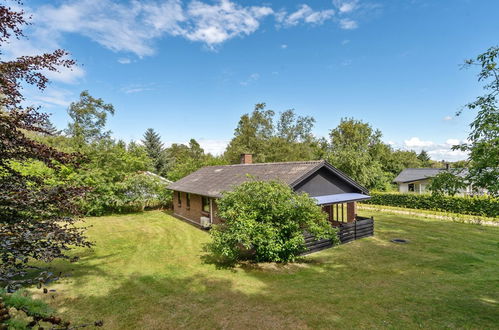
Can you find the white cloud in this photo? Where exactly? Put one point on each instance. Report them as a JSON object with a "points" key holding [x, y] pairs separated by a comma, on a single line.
{"points": [[284, 46], [346, 62], [118, 27], [437, 151], [214, 24], [304, 14], [38, 44], [447, 154], [124, 60], [346, 6], [135, 26], [252, 77], [417, 142], [447, 118], [452, 142], [136, 89], [345, 42], [215, 147], [66, 75], [348, 24], [49, 98]]}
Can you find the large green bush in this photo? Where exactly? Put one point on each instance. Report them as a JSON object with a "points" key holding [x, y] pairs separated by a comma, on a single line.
{"points": [[476, 205], [265, 221]]}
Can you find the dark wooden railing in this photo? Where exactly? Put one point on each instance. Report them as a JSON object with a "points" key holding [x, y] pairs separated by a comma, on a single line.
{"points": [[347, 232], [360, 228]]}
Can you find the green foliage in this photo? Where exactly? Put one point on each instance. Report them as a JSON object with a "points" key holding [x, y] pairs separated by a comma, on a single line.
{"points": [[269, 139], [483, 145], [424, 158], [355, 149], [477, 205], [154, 147], [142, 190], [447, 183], [185, 159], [265, 221], [88, 117], [354, 146], [108, 164], [22, 300], [105, 169]]}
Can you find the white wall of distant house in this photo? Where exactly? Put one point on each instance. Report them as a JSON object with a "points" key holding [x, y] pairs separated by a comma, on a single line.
{"points": [[421, 187]]}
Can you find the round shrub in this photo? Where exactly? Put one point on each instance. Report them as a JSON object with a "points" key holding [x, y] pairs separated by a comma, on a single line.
{"points": [[265, 221]]}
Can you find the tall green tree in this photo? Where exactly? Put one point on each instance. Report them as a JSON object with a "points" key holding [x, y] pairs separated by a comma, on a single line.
{"points": [[287, 137], [251, 135], [154, 147], [185, 159], [424, 158], [89, 116], [355, 149], [483, 145]]}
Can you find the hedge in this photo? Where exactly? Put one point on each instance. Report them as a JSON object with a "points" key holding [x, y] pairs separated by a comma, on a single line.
{"points": [[477, 205]]}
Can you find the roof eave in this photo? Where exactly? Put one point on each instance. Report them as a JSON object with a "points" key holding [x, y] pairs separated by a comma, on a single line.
{"points": [[413, 180], [195, 192]]}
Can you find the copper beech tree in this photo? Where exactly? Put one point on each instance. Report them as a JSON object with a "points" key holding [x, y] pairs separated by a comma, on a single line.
{"points": [[37, 218]]}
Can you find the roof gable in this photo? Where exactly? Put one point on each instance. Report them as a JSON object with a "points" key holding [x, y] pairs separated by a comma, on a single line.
{"points": [[213, 180]]}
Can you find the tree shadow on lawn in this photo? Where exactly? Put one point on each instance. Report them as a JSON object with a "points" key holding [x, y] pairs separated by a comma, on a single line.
{"points": [[444, 277], [367, 283], [300, 300], [150, 302]]}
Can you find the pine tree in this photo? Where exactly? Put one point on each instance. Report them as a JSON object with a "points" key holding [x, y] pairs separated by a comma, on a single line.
{"points": [[424, 158], [154, 147]]}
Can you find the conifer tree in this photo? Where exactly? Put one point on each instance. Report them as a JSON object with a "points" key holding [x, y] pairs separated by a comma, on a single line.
{"points": [[154, 147], [424, 158]]}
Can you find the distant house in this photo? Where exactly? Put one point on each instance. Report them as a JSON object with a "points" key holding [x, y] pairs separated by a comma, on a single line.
{"points": [[416, 180], [195, 195], [154, 175]]}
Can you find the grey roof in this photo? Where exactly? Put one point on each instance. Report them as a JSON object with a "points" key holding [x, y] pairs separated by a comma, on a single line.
{"points": [[416, 174], [154, 175], [213, 180]]}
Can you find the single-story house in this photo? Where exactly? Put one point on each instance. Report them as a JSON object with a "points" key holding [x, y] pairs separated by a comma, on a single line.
{"points": [[194, 195], [416, 180]]}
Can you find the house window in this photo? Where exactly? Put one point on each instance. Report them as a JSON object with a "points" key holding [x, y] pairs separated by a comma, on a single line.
{"points": [[206, 204], [179, 199], [410, 187], [188, 200]]}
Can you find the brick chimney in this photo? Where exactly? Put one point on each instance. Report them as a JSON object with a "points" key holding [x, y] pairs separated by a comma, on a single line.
{"points": [[246, 159]]}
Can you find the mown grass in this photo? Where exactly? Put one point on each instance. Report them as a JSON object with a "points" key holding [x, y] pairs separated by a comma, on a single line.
{"points": [[149, 271]]}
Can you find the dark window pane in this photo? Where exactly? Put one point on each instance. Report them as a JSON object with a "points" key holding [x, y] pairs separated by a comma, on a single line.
{"points": [[206, 204]]}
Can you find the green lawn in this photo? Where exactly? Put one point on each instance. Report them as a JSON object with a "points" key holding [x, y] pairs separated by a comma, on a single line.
{"points": [[149, 271]]}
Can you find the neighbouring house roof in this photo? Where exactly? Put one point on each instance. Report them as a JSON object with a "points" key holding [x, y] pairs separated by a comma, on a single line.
{"points": [[154, 175], [213, 180], [417, 174], [340, 198]]}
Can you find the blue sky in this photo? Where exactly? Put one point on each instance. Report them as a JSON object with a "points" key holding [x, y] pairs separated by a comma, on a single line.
{"points": [[190, 69]]}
